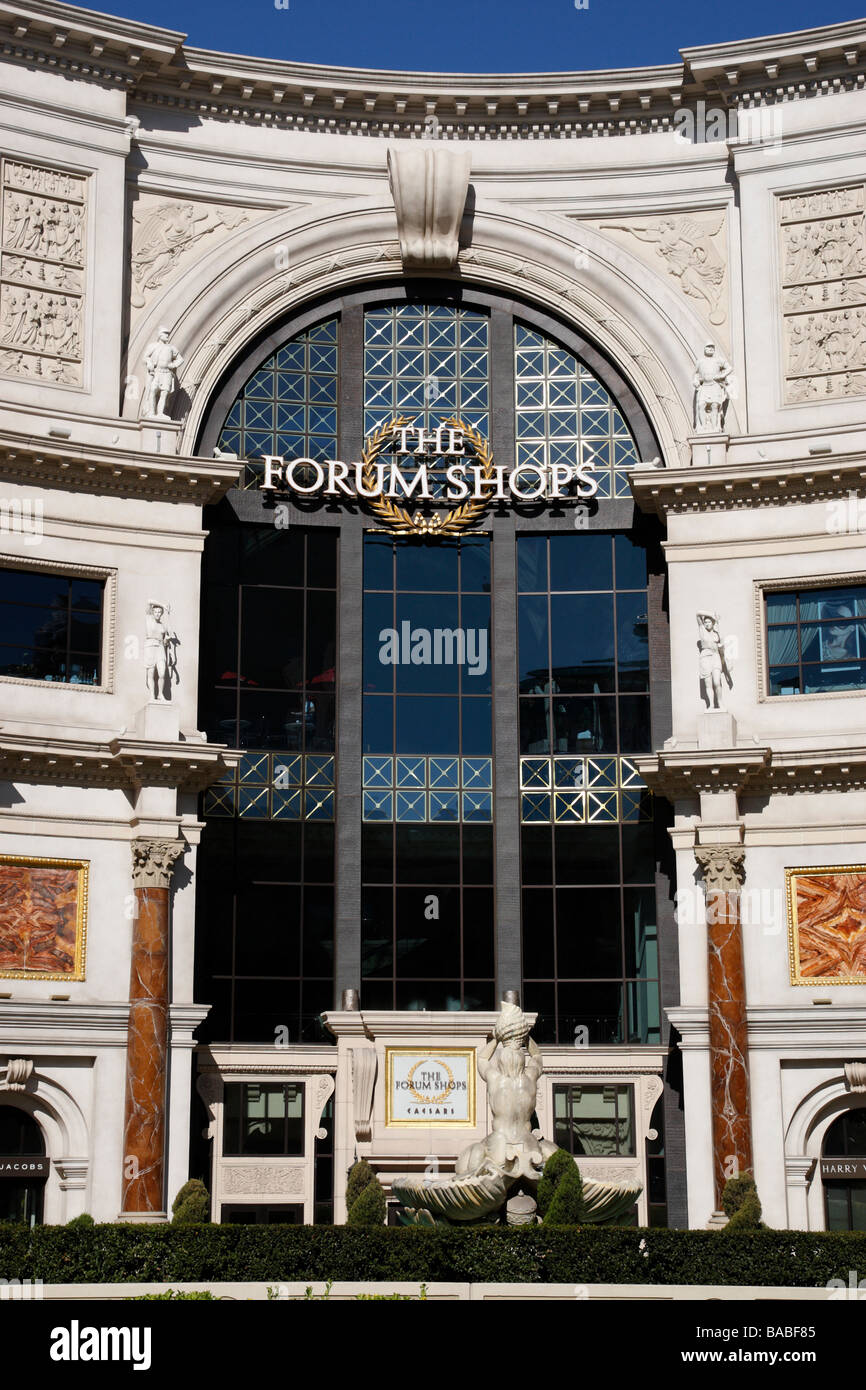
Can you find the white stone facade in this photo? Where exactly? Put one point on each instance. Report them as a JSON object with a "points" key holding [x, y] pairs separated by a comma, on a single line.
{"points": [[214, 196]]}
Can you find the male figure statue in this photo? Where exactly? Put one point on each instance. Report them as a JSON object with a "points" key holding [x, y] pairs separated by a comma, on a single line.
{"points": [[712, 391], [161, 360]]}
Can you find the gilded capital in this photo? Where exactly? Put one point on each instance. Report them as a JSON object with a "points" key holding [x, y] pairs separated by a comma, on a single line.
{"points": [[153, 862], [723, 867]]}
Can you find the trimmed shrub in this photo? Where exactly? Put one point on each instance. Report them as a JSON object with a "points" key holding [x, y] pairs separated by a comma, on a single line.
{"points": [[742, 1205], [369, 1208], [166, 1254], [560, 1191], [191, 1206], [360, 1176], [566, 1204], [84, 1219], [558, 1163]]}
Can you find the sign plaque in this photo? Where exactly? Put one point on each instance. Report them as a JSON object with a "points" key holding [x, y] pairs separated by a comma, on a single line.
{"points": [[430, 1087]]}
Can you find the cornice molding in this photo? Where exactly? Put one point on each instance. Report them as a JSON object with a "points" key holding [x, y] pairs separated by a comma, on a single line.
{"points": [[127, 763], [96, 468], [731, 486], [156, 67], [686, 773], [27, 1025]]}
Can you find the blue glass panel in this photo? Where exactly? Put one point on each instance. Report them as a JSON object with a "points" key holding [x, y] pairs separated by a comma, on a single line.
{"points": [[411, 806], [378, 805], [378, 772]]}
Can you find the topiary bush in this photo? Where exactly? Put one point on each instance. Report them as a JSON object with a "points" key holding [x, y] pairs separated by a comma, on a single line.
{"points": [[84, 1219], [558, 1163], [191, 1206], [742, 1205], [360, 1176], [560, 1191], [566, 1206], [369, 1207]]}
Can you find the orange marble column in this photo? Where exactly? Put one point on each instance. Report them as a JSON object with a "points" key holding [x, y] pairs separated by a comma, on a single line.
{"points": [[724, 871], [147, 1042]]}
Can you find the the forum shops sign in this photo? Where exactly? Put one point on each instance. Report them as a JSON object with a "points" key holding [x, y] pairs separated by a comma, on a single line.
{"points": [[448, 473]]}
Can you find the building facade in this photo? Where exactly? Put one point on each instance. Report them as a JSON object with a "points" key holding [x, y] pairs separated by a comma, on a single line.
{"points": [[432, 571]]}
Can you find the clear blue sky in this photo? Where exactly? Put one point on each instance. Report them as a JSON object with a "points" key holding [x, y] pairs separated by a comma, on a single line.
{"points": [[476, 35]]}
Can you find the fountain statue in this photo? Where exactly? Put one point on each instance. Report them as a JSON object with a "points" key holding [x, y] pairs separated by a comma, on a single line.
{"points": [[513, 1154]]}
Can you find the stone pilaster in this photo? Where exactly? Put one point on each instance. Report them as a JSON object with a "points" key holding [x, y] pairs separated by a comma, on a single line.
{"points": [[723, 869], [147, 1046]]}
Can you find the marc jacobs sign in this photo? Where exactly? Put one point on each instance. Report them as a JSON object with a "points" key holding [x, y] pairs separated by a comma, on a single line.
{"points": [[452, 464]]}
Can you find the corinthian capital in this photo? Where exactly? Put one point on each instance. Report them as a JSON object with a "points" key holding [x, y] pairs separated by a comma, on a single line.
{"points": [[723, 868], [153, 862]]}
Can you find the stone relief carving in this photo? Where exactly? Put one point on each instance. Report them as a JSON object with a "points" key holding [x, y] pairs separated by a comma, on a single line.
{"points": [[855, 1076], [693, 251], [723, 868], [209, 1086], [153, 862], [17, 1073], [823, 293], [42, 277], [429, 183], [257, 1178], [166, 231], [322, 1091], [364, 1067]]}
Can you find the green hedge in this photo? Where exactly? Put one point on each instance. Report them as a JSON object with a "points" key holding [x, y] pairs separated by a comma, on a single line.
{"points": [[564, 1255]]}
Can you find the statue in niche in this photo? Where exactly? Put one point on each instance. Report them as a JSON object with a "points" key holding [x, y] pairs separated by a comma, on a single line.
{"points": [[161, 361], [712, 661], [712, 390], [160, 653], [512, 1155]]}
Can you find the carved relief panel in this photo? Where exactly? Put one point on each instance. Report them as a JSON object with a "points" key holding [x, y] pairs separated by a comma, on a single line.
{"points": [[42, 273], [690, 249], [169, 233], [822, 258]]}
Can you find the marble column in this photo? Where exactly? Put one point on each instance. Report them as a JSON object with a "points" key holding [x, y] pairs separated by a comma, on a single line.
{"points": [[147, 1045], [724, 871]]}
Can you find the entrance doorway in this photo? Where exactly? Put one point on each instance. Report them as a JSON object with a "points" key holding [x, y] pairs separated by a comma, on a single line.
{"points": [[843, 1170], [21, 1197]]}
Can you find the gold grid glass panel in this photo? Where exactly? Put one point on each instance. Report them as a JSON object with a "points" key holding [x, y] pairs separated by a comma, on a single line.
{"points": [[275, 786], [582, 791], [436, 787]]}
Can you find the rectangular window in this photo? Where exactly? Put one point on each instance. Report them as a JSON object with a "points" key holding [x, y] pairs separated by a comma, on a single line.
{"points": [[594, 1121], [264, 1119], [51, 626], [816, 640]]}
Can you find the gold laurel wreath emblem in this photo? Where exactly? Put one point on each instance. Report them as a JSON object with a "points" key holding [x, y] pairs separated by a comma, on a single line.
{"points": [[401, 522], [431, 1100]]}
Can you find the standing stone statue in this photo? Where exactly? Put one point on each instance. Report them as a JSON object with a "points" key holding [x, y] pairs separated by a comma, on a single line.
{"points": [[513, 1154], [161, 360], [712, 390], [160, 656], [712, 662]]}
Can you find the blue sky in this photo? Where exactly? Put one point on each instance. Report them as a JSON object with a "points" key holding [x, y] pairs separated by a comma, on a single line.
{"points": [[475, 35]]}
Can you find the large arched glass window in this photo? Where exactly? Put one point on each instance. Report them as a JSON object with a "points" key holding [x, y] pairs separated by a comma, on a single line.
{"points": [[470, 743]]}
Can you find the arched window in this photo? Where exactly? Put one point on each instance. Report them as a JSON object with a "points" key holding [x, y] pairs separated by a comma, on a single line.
{"points": [[843, 1169], [459, 714], [22, 1146]]}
